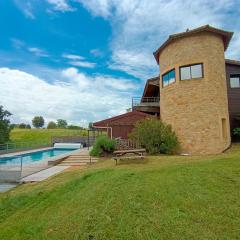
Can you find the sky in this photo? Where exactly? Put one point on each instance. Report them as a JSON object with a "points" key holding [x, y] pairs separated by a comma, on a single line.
{"points": [[84, 60]]}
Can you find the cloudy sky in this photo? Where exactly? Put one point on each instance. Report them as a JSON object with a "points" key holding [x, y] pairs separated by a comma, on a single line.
{"points": [[83, 60]]}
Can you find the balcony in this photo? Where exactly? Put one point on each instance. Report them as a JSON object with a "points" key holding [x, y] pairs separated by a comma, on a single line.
{"points": [[146, 104]]}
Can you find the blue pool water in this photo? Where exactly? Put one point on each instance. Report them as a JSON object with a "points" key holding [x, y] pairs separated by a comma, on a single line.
{"points": [[34, 156]]}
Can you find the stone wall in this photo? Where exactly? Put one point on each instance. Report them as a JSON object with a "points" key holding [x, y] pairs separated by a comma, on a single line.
{"points": [[196, 108]]}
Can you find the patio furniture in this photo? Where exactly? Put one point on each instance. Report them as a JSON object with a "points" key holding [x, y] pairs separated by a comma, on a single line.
{"points": [[122, 154]]}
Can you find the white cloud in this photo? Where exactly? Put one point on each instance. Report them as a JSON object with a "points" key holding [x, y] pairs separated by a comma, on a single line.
{"points": [[99, 7], [78, 61], [61, 5], [136, 63], [26, 7], [75, 97], [141, 26], [17, 43], [73, 57], [82, 64], [234, 48], [96, 52], [38, 52]]}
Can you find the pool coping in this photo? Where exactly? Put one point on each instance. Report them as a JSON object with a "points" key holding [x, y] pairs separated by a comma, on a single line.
{"points": [[51, 161], [24, 152]]}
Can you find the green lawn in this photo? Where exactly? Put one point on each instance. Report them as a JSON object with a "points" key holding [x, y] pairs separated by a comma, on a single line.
{"points": [[42, 136], [163, 197]]}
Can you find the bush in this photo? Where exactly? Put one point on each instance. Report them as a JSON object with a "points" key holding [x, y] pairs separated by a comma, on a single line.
{"points": [[22, 125], [75, 127], [155, 136], [103, 145], [51, 125], [236, 132]]}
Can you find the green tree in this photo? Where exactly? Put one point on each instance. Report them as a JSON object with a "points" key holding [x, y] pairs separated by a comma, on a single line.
{"points": [[61, 123], [5, 126], [90, 125], [22, 125], [38, 122], [51, 125]]}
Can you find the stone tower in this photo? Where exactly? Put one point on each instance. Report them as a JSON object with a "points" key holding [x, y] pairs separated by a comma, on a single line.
{"points": [[193, 90]]}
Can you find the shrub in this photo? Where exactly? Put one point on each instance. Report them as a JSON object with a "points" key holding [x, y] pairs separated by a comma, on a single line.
{"points": [[103, 145], [51, 125], [22, 125], [75, 127], [236, 132], [155, 136]]}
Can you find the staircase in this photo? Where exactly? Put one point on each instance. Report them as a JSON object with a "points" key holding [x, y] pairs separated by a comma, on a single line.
{"points": [[81, 158]]}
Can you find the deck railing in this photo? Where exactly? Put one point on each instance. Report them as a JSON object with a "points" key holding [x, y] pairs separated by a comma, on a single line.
{"points": [[136, 101]]}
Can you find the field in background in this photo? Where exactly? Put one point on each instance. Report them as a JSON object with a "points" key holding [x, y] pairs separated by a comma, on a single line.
{"points": [[42, 136], [161, 197]]}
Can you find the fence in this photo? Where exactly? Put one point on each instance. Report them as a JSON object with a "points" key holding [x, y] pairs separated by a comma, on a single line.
{"points": [[16, 169], [126, 144], [21, 146]]}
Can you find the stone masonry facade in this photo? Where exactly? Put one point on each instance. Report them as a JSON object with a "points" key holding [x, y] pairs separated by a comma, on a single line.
{"points": [[197, 109]]}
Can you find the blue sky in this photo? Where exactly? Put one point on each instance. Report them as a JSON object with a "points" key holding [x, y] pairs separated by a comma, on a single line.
{"points": [[83, 60]]}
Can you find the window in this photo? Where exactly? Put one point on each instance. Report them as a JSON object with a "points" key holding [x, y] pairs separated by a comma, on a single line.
{"points": [[168, 78], [224, 128], [235, 81], [191, 71]]}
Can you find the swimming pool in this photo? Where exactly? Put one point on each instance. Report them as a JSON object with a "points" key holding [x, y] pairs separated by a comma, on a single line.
{"points": [[33, 156]]}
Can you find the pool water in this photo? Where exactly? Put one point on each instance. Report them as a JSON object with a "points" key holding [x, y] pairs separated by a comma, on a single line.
{"points": [[33, 157]]}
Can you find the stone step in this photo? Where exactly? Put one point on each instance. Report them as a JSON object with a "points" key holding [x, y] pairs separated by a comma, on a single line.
{"points": [[85, 158], [81, 161], [72, 164], [78, 159]]}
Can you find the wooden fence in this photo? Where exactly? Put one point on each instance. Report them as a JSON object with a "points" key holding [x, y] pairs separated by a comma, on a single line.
{"points": [[125, 144]]}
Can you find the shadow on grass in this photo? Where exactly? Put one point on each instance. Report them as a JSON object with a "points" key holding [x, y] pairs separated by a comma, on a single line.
{"points": [[132, 161]]}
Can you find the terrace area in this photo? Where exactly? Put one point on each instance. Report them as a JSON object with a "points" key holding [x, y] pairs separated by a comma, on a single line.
{"points": [[146, 104]]}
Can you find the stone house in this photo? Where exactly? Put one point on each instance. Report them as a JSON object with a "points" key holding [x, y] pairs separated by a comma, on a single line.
{"points": [[197, 90]]}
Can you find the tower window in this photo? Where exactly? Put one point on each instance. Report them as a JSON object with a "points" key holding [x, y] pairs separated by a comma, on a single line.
{"points": [[191, 71], [168, 78], [235, 81], [224, 128]]}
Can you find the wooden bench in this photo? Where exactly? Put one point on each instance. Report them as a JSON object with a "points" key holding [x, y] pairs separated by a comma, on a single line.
{"points": [[120, 154]]}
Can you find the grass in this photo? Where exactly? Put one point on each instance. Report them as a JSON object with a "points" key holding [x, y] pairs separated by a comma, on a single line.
{"points": [[163, 197], [42, 136]]}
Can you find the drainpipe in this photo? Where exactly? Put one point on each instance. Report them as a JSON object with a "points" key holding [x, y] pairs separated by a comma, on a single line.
{"points": [[104, 128]]}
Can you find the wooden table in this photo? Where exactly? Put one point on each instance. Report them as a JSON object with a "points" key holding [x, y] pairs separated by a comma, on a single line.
{"points": [[120, 154]]}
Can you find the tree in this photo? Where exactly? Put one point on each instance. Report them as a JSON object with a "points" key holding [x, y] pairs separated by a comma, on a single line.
{"points": [[28, 126], [51, 125], [22, 125], [5, 126], [38, 122], [90, 125], [61, 123]]}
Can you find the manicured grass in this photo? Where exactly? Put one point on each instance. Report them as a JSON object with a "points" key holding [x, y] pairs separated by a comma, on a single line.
{"points": [[163, 197], [42, 136]]}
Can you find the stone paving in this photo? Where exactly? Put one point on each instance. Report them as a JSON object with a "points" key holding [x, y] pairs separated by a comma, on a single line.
{"points": [[44, 174]]}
